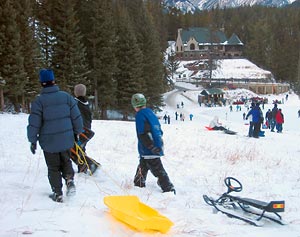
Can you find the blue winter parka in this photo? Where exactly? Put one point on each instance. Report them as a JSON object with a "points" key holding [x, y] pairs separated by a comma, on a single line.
{"points": [[147, 123], [54, 120], [256, 114]]}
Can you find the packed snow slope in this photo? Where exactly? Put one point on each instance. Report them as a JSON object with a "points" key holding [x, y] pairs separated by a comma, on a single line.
{"points": [[197, 161]]}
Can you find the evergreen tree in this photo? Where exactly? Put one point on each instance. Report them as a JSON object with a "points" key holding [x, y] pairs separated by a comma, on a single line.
{"points": [[30, 50], [69, 56], [129, 75], [44, 30], [101, 50], [148, 41], [11, 59], [172, 64]]}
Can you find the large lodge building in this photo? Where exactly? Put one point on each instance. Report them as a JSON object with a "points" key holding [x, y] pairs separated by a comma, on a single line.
{"points": [[201, 43]]}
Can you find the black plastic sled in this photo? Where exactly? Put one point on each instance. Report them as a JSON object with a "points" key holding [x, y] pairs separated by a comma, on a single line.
{"points": [[249, 210], [227, 131]]}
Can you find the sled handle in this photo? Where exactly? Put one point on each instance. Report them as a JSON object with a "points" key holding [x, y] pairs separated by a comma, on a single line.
{"points": [[232, 188]]}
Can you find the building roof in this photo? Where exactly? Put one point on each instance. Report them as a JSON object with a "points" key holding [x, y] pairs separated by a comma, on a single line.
{"points": [[203, 35], [212, 91], [234, 40]]}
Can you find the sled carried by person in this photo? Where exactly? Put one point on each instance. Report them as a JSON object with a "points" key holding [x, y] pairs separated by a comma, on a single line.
{"points": [[79, 156], [249, 210]]}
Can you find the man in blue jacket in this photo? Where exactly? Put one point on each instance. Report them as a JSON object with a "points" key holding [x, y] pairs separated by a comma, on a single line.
{"points": [[150, 145], [257, 118], [55, 122]]}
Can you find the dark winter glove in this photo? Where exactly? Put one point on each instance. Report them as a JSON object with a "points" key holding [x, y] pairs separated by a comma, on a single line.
{"points": [[33, 148], [76, 137], [155, 150]]}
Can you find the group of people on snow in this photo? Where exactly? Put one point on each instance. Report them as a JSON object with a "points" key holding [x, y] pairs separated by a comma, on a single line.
{"points": [[56, 121]]}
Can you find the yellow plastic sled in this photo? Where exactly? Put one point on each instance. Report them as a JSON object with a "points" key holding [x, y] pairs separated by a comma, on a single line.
{"points": [[131, 211]]}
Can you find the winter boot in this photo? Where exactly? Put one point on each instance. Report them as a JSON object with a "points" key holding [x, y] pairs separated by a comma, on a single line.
{"points": [[56, 197], [71, 189], [169, 188], [82, 168]]}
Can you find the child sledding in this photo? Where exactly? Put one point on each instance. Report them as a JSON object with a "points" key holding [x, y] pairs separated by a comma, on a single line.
{"points": [[217, 126]]}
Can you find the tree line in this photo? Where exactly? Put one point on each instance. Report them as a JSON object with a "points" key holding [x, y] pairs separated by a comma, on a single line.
{"points": [[116, 47], [111, 46]]}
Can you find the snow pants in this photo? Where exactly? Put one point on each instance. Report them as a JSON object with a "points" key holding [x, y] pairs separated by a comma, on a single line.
{"points": [[273, 124], [59, 166], [251, 128], [157, 169]]}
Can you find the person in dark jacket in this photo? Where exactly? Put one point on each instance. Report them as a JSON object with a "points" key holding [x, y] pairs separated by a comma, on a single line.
{"points": [[54, 122], [84, 107], [150, 145], [273, 121]]}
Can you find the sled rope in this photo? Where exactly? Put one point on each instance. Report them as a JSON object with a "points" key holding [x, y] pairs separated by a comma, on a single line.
{"points": [[84, 161], [80, 161]]}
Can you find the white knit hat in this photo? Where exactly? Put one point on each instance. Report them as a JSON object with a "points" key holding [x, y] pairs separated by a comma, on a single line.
{"points": [[80, 90]]}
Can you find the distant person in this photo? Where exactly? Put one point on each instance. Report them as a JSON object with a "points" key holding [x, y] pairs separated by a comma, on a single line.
{"points": [[299, 113], [54, 121], [169, 119], [268, 118], [165, 118], [273, 121], [176, 115], [279, 121], [191, 117], [215, 124], [256, 114], [150, 145]]}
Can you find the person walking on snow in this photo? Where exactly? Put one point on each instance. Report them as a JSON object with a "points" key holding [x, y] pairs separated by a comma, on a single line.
{"points": [[273, 120], [54, 122], [150, 145], [257, 116], [86, 114], [279, 120]]}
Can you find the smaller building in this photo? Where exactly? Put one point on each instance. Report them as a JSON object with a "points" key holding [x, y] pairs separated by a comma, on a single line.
{"points": [[212, 97]]}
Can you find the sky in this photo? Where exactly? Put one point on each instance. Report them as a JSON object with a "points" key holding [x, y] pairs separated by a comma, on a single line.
{"points": [[196, 160]]}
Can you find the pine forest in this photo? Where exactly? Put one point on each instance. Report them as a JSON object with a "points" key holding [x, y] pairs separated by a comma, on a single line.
{"points": [[116, 47]]}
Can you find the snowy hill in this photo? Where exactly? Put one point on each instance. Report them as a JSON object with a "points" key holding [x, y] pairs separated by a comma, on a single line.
{"points": [[197, 161], [194, 5], [226, 69]]}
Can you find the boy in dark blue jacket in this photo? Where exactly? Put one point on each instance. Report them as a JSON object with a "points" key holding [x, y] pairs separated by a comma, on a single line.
{"points": [[54, 120], [150, 145]]}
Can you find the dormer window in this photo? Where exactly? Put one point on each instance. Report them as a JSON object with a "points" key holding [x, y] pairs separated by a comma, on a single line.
{"points": [[192, 47]]}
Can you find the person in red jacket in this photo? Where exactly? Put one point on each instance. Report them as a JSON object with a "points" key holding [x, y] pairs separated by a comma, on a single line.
{"points": [[279, 120]]}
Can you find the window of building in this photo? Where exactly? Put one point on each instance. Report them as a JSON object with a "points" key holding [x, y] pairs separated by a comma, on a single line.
{"points": [[192, 47]]}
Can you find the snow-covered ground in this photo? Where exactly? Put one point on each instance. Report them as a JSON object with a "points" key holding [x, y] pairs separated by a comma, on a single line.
{"points": [[197, 161]]}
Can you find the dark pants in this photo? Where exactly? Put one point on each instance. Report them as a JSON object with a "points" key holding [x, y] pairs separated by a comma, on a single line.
{"points": [[157, 169], [256, 130], [219, 128], [59, 166], [250, 132]]}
